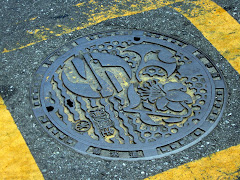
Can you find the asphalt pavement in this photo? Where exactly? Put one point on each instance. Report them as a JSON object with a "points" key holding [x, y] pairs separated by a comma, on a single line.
{"points": [[17, 67]]}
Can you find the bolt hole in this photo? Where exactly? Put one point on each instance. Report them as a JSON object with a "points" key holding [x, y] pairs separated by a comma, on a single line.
{"points": [[136, 38], [174, 130], [69, 103], [50, 108]]}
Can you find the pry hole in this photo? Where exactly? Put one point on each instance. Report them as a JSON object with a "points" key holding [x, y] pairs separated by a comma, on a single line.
{"points": [[136, 38], [50, 108], [69, 103]]}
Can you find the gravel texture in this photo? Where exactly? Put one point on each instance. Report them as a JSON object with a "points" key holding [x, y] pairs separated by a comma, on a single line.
{"points": [[17, 67]]}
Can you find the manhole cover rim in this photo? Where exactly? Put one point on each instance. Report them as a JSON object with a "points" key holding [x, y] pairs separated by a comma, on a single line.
{"points": [[157, 156]]}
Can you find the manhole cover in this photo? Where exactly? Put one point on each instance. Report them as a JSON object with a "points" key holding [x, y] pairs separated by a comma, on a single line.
{"points": [[128, 95]]}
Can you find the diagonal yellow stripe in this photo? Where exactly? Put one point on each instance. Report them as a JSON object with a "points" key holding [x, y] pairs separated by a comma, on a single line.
{"points": [[222, 30], [214, 23], [16, 161], [221, 165], [217, 26], [97, 14]]}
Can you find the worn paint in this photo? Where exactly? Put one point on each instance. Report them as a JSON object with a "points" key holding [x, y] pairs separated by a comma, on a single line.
{"points": [[79, 4], [32, 19], [221, 165], [16, 159], [217, 26], [21, 47], [95, 16], [214, 23], [222, 30]]}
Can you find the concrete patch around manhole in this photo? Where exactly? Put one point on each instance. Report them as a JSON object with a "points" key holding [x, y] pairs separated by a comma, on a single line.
{"points": [[128, 95]]}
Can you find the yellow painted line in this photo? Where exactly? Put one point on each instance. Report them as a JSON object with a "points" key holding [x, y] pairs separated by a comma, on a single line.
{"points": [[79, 4], [32, 19], [218, 27], [221, 165], [97, 14], [16, 161], [222, 30]]}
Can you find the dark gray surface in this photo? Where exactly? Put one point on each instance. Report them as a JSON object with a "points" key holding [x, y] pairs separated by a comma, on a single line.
{"points": [[232, 7], [55, 160]]}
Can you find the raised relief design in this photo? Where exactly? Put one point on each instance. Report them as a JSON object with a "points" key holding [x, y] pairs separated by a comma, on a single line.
{"points": [[130, 96], [102, 121]]}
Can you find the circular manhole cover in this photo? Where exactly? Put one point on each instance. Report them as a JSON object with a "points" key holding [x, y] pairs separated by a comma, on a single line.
{"points": [[128, 95]]}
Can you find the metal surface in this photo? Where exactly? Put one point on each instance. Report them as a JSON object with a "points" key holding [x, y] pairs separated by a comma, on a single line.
{"points": [[128, 95]]}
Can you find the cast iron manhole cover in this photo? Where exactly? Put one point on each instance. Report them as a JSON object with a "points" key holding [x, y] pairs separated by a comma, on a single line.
{"points": [[128, 95]]}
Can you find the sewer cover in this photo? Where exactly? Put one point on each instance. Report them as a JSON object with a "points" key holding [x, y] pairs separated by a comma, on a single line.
{"points": [[128, 95]]}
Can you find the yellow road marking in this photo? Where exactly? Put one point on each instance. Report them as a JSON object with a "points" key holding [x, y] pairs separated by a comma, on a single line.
{"points": [[221, 165], [79, 4], [218, 27], [214, 22], [32, 19], [96, 15], [222, 30], [16, 161]]}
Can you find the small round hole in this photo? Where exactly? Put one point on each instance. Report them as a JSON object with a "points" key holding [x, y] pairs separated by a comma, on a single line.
{"points": [[167, 135], [50, 108], [147, 134], [203, 91], [110, 47], [69, 103], [174, 130], [202, 102], [158, 135], [194, 79], [136, 38]]}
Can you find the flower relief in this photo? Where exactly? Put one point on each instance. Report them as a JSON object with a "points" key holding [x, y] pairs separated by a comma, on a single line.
{"points": [[170, 96]]}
